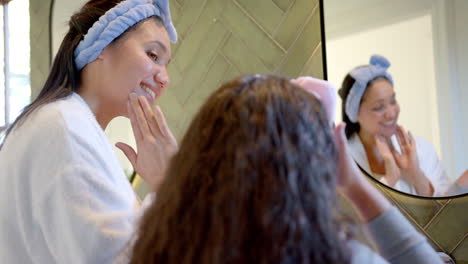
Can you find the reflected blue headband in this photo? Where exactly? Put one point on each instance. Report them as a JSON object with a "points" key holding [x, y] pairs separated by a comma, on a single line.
{"points": [[363, 75], [116, 21]]}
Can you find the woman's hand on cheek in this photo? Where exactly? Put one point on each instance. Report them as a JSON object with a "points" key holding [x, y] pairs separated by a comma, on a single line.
{"points": [[392, 172], [155, 142], [407, 160]]}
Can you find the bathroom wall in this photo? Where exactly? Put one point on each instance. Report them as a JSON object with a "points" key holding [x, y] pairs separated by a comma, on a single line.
{"points": [[221, 39]]}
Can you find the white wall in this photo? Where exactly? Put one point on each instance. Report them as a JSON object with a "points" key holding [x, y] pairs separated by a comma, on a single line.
{"points": [[63, 10], [451, 64], [348, 17], [120, 130], [461, 29]]}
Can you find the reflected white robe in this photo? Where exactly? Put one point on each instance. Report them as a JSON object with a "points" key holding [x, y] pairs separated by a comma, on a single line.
{"points": [[428, 162]]}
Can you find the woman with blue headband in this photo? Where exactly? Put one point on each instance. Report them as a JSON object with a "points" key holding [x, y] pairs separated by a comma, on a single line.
{"points": [[64, 197], [371, 111]]}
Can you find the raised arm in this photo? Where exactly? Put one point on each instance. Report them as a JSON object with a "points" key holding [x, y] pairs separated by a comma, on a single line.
{"points": [[395, 237]]}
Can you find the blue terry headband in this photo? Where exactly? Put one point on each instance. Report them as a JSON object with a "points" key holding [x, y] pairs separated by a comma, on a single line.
{"points": [[363, 75], [116, 21]]}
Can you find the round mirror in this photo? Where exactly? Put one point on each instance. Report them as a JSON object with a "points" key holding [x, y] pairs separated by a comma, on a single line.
{"points": [[425, 45]]}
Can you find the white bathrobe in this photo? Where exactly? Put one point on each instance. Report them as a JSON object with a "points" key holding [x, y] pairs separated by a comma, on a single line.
{"points": [[64, 197], [428, 162]]}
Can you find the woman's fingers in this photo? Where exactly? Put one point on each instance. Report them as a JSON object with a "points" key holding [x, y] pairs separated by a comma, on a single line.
{"points": [[152, 121], [383, 147], [150, 116], [162, 124], [139, 115], [380, 144], [402, 135], [390, 145], [129, 153], [399, 137], [405, 136], [340, 137], [410, 138], [133, 122]]}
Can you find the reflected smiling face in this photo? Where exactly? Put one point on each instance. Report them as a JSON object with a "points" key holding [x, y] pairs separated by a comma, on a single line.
{"points": [[135, 63], [379, 110]]}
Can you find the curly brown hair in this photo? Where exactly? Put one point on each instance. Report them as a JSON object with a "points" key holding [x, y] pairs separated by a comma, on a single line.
{"points": [[253, 182]]}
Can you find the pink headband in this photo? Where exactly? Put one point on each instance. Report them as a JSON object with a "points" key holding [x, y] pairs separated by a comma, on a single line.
{"points": [[323, 90]]}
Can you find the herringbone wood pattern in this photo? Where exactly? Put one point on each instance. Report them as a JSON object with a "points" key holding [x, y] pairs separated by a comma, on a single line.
{"points": [[222, 39]]}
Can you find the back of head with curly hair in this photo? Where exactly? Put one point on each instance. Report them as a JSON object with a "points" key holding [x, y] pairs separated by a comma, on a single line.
{"points": [[253, 182]]}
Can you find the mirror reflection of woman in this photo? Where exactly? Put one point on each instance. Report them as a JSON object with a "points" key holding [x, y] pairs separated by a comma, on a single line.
{"points": [[380, 146]]}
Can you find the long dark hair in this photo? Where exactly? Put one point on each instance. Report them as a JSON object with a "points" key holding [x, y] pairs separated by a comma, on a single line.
{"points": [[64, 77], [253, 182]]}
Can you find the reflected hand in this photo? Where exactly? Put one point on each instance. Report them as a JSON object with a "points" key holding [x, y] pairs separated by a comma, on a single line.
{"points": [[155, 142], [407, 160], [392, 172], [408, 163]]}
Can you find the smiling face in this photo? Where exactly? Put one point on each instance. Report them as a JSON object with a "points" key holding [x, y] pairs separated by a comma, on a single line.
{"points": [[137, 62], [379, 110]]}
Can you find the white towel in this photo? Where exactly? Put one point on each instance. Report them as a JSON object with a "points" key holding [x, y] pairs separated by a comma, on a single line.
{"points": [[65, 198]]}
